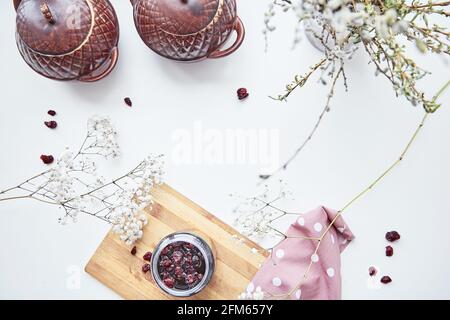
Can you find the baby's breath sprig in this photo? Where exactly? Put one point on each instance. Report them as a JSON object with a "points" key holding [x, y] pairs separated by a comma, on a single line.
{"points": [[73, 184]]}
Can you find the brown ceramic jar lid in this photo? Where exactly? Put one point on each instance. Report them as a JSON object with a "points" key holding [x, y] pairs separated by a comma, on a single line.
{"points": [[54, 27], [181, 17]]}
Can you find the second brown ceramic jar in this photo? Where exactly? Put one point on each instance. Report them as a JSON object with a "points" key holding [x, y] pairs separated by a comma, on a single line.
{"points": [[188, 30]]}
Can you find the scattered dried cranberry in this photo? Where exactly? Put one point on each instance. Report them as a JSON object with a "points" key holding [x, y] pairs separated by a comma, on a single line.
{"points": [[128, 102], [47, 159], [146, 268], [147, 256], [372, 271], [52, 112], [389, 251], [181, 265], [51, 124], [392, 236], [386, 279], [133, 251], [242, 93]]}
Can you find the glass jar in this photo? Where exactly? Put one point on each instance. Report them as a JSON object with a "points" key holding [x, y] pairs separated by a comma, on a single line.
{"points": [[201, 245]]}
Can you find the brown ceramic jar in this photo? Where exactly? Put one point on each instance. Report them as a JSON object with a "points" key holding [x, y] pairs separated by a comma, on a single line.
{"points": [[68, 39], [188, 30]]}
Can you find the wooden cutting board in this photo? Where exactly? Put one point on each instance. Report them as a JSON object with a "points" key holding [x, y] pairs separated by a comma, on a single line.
{"points": [[236, 264]]}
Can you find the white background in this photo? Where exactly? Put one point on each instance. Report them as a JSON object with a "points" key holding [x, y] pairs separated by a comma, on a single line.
{"points": [[364, 132]]}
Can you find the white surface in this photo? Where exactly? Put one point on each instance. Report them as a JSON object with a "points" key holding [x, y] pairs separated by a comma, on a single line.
{"points": [[365, 131]]}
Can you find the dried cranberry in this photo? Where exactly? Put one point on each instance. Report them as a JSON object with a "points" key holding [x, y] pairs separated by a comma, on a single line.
{"points": [[128, 102], [166, 250], [372, 271], [392, 236], [51, 124], [386, 279], [147, 256], [146, 268], [178, 271], [167, 264], [169, 282], [242, 93], [47, 159], [190, 279], [177, 256], [133, 251], [52, 112], [389, 251]]}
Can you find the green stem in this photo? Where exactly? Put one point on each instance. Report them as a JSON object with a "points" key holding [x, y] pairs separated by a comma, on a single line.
{"points": [[441, 91]]}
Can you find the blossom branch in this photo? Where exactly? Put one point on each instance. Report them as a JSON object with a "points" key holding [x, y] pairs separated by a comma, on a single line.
{"points": [[74, 185], [315, 127]]}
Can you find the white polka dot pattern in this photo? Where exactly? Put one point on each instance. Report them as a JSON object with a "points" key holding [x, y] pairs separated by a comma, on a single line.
{"points": [[276, 282], [279, 253], [330, 272], [318, 227]]}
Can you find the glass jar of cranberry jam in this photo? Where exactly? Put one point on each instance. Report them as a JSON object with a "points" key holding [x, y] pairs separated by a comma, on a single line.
{"points": [[182, 264]]}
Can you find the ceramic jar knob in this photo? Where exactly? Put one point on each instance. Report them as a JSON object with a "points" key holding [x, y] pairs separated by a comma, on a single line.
{"points": [[68, 39], [188, 30]]}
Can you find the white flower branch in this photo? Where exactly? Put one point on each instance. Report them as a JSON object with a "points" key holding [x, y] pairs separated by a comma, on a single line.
{"points": [[338, 26], [74, 185]]}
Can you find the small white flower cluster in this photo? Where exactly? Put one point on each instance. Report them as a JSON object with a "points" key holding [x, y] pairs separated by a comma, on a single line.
{"points": [[61, 183], [104, 136], [255, 214], [256, 226], [258, 294], [127, 216]]}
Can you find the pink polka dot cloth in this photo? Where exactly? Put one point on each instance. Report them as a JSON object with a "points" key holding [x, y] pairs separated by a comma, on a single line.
{"points": [[290, 259]]}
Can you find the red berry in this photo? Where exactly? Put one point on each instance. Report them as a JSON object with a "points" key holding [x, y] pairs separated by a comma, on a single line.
{"points": [[169, 282], [167, 264], [128, 102], [52, 112], [190, 279], [177, 256], [147, 256], [389, 251], [242, 93], [133, 251], [51, 124], [47, 159], [178, 271], [392, 236], [146, 268], [372, 271], [386, 279]]}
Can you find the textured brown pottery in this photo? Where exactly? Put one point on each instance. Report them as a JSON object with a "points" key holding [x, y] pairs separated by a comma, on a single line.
{"points": [[188, 30], [68, 39]]}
